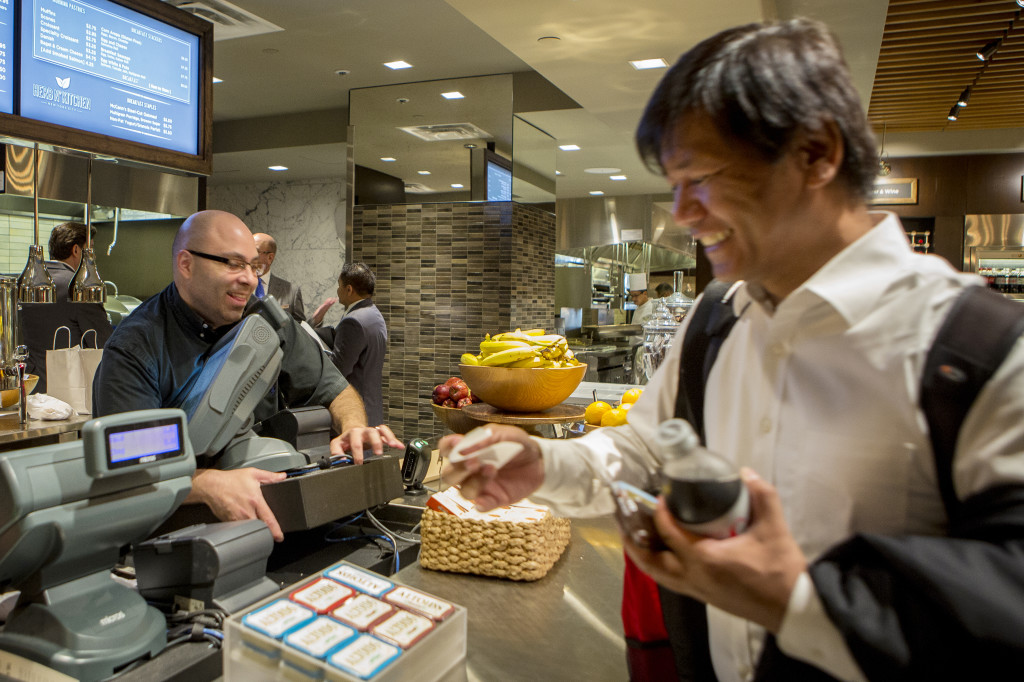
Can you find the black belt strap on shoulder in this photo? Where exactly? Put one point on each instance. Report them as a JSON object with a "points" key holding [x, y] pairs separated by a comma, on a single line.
{"points": [[977, 334]]}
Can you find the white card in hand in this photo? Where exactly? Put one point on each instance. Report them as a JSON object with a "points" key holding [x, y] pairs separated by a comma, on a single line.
{"points": [[497, 454]]}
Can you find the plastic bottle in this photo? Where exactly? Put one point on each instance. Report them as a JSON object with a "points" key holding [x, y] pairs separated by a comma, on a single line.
{"points": [[702, 490]]}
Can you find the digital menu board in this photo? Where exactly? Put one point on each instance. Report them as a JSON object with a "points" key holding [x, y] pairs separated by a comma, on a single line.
{"points": [[6, 64], [98, 66]]}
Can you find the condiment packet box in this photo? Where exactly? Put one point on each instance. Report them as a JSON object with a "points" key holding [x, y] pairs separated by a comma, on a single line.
{"points": [[362, 638], [420, 602], [360, 579], [322, 595], [362, 612]]}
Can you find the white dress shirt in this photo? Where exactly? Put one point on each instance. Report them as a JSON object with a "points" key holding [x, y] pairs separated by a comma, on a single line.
{"points": [[819, 395]]}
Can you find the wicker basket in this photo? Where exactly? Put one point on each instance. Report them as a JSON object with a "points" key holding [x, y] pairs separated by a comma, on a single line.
{"points": [[502, 549]]}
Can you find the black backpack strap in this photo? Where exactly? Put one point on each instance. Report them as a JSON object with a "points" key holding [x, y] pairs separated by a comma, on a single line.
{"points": [[974, 339], [711, 322]]}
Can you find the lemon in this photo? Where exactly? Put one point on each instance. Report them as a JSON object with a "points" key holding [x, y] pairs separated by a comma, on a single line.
{"points": [[595, 411], [631, 396], [614, 417]]}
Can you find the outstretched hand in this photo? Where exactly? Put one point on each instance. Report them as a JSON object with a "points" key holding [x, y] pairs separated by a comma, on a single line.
{"points": [[487, 486], [750, 575], [321, 311], [358, 438], [235, 495]]}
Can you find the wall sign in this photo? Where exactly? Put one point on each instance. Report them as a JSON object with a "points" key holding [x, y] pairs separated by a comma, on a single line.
{"points": [[894, 191]]}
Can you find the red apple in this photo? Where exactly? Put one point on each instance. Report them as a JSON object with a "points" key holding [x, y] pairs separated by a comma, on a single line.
{"points": [[453, 380], [448, 403], [459, 391], [441, 393], [463, 402]]}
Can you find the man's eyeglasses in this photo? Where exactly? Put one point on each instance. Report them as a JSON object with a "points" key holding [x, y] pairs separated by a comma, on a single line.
{"points": [[235, 265]]}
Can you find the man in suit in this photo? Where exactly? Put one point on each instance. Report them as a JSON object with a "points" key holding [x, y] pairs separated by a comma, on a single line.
{"points": [[40, 321], [361, 338], [286, 293]]}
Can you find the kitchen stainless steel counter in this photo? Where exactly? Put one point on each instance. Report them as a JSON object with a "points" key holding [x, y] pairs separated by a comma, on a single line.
{"points": [[565, 626], [14, 436]]}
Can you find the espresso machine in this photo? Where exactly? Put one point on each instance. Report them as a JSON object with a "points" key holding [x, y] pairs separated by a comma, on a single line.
{"points": [[12, 354]]}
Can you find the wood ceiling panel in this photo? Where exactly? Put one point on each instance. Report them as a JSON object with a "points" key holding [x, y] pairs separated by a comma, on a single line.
{"points": [[927, 59]]}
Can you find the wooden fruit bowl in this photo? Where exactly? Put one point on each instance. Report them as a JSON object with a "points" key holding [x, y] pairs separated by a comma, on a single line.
{"points": [[455, 419], [522, 389], [13, 396]]}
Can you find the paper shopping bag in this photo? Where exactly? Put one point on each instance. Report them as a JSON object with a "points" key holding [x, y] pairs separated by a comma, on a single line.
{"points": [[70, 371]]}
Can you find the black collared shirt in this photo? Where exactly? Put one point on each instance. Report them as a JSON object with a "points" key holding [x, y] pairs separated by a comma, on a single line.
{"points": [[154, 351]]}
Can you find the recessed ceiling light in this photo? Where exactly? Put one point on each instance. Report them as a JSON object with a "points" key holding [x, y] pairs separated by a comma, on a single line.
{"points": [[454, 94], [601, 171], [641, 64], [218, 80], [277, 168], [398, 65], [558, 172], [457, 186], [423, 172], [616, 177], [388, 158], [596, 193], [569, 147], [469, 145]]}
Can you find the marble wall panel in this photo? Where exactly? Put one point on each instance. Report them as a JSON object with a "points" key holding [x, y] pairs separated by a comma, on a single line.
{"points": [[307, 219]]}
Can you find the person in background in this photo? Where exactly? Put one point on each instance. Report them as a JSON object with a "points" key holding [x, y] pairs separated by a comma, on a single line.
{"points": [[638, 294], [662, 290], [361, 338], [813, 397], [156, 351], [40, 321], [286, 293]]}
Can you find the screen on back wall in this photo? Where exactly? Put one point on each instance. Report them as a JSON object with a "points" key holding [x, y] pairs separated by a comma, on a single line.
{"points": [[6, 58], [98, 66]]}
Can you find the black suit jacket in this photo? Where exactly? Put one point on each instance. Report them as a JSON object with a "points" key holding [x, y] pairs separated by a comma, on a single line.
{"points": [[360, 344], [40, 321], [288, 295]]}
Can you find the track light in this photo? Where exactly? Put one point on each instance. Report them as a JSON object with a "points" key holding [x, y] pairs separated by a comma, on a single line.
{"points": [[986, 53], [964, 98], [953, 113]]}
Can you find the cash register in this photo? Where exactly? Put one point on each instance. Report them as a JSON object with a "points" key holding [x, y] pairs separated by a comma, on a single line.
{"points": [[66, 511]]}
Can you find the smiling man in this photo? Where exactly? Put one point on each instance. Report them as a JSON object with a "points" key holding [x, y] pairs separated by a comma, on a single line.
{"points": [[155, 351], [814, 395]]}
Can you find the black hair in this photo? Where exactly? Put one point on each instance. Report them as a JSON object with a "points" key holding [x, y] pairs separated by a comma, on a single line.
{"points": [[359, 277], [761, 84]]}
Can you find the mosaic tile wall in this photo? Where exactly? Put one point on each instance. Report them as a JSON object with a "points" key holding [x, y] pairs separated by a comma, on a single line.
{"points": [[446, 275], [16, 235]]}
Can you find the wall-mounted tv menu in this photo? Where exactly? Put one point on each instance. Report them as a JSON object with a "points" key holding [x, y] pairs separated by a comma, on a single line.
{"points": [[97, 66], [129, 79], [6, 54]]}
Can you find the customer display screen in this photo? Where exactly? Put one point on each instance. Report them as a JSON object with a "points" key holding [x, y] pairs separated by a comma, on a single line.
{"points": [[98, 66], [6, 58], [143, 443]]}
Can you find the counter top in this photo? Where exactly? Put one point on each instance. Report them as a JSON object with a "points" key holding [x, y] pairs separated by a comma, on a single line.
{"points": [[12, 432], [610, 393], [565, 626]]}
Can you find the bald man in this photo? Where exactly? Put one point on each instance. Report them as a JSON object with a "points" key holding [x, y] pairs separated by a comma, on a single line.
{"points": [[155, 351], [286, 293]]}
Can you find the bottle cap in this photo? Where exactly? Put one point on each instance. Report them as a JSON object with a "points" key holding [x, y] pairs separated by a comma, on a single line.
{"points": [[676, 433]]}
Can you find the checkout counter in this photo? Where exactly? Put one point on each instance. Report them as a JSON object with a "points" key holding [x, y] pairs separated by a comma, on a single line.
{"points": [[563, 626]]}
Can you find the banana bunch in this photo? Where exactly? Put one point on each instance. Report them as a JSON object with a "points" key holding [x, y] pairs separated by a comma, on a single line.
{"points": [[530, 348]]}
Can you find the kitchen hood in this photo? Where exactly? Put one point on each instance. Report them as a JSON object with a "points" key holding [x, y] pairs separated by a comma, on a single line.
{"points": [[148, 193]]}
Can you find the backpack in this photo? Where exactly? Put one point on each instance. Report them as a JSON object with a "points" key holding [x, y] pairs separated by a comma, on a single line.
{"points": [[978, 332]]}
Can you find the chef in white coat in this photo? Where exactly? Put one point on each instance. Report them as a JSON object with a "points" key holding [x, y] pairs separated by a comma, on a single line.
{"points": [[637, 283]]}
